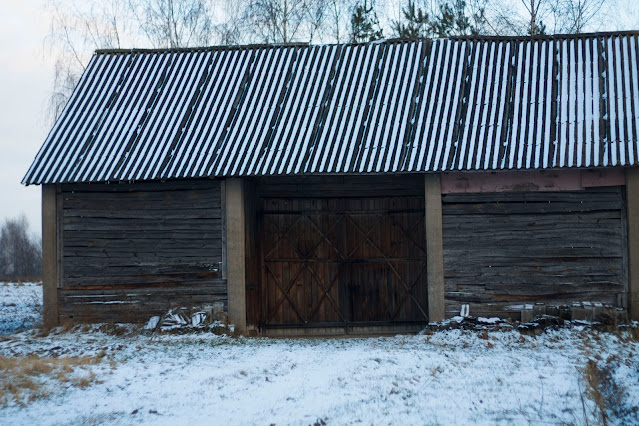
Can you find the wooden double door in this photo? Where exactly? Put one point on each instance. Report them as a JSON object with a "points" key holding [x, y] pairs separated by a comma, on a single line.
{"points": [[343, 261]]}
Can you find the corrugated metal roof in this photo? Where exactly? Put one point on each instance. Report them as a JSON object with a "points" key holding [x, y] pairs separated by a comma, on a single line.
{"points": [[383, 107]]}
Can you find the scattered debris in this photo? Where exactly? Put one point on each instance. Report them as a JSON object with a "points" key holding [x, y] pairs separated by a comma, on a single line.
{"points": [[153, 323], [606, 321], [184, 321], [172, 320], [464, 311]]}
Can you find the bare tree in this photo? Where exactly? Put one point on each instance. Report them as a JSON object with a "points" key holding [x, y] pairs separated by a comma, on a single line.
{"points": [[20, 252], [533, 17], [574, 16], [338, 13], [228, 28], [533, 9], [518, 17], [79, 27], [174, 23], [76, 30], [284, 21]]}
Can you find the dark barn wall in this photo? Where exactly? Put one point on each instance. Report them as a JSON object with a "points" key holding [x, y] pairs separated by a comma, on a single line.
{"points": [[502, 250], [130, 251]]}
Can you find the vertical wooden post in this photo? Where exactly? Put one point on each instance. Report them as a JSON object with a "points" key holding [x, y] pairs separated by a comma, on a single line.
{"points": [[434, 247], [632, 191], [235, 252], [49, 256]]}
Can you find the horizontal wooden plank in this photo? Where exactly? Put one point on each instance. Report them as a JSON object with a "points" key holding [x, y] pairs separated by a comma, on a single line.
{"points": [[89, 223], [530, 219], [536, 251], [128, 213], [600, 194], [142, 234], [165, 278], [528, 257], [153, 186], [158, 198], [159, 248], [117, 203], [117, 267], [135, 304], [549, 298], [559, 239], [528, 208], [218, 286]]}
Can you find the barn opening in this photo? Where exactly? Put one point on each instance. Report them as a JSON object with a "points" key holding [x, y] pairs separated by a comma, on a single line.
{"points": [[342, 253]]}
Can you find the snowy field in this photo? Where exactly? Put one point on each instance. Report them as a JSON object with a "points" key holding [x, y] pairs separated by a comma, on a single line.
{"points": [[117, 375], [20, 306]]}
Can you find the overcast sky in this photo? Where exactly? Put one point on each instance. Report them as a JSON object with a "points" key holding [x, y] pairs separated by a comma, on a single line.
{"points": [[26, 75], [25, 83]]}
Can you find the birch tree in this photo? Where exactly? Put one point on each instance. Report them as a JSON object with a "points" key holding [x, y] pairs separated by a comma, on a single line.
{"points": [[80, 27], [575, 16], [174, 23], [284, 21], [76, 30]]}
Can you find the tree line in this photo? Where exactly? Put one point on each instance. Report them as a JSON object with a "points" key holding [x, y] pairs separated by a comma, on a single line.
{"points": [[20, 251], [78, 27]]}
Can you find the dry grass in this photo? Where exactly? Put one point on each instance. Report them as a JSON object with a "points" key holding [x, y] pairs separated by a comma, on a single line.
{"points": [[6, 280], [25, 379], [631, 334], [601, 388], [594, 377], [113, 329]]}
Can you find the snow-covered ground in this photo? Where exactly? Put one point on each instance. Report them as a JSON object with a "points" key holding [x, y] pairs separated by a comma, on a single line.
{"points": [[447, 377], [20, 306]]}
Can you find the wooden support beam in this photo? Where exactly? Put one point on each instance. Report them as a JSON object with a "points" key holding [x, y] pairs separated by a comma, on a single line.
{"points": [[235, 252], [434, 247], [632, 191], [50, 255]]}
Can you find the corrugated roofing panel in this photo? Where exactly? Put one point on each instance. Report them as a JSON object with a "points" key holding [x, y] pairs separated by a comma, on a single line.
{"points": [[383, 107]]}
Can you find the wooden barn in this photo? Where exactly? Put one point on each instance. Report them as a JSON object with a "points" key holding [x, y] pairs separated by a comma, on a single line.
{"points": [[346, 188]]}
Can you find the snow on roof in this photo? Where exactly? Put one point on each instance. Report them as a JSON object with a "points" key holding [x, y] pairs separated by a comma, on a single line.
{"points": [[481, 103]]}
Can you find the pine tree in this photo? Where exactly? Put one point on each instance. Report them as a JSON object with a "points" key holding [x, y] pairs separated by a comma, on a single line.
{"points": [[416, 23], [453, 20], [365, 24]]}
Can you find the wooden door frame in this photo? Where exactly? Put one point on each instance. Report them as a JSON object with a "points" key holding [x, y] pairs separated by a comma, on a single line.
{"points": [[343, 296]]}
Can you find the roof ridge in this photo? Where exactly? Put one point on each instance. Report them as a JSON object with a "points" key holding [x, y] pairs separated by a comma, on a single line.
{"points": [[388, 40]]}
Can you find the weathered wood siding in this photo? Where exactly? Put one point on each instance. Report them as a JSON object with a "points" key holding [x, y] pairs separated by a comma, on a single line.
{"points": [[502, 250], [131, 251]]}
